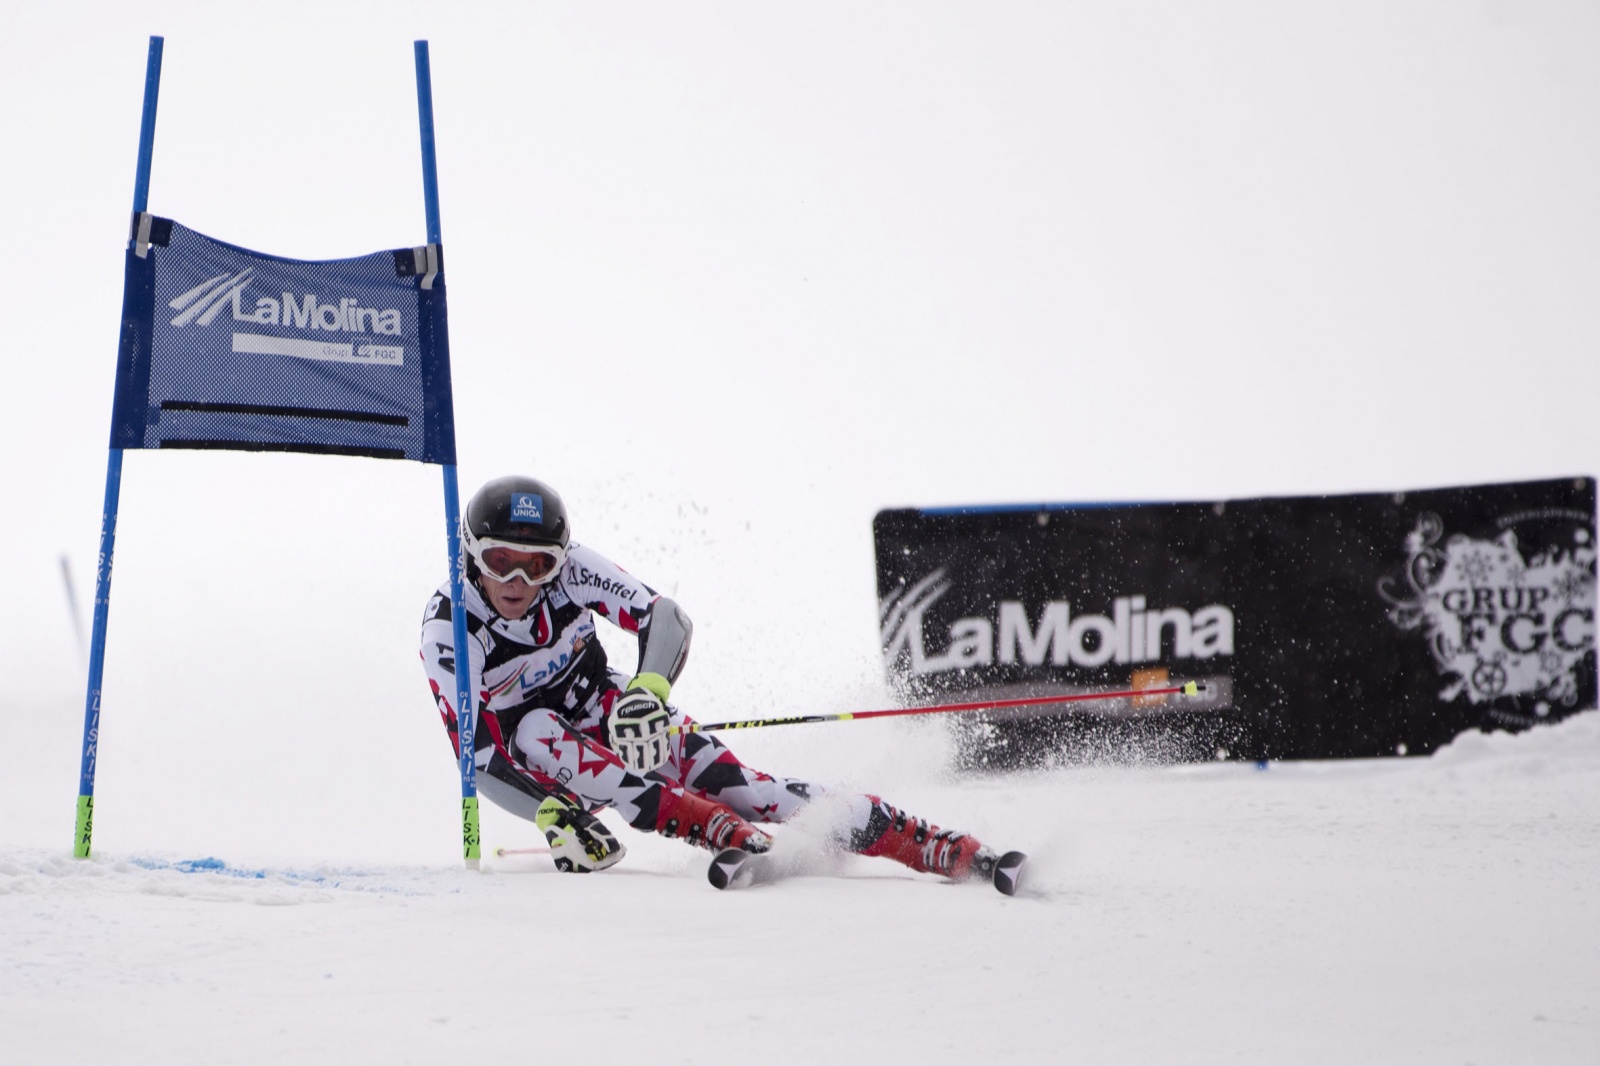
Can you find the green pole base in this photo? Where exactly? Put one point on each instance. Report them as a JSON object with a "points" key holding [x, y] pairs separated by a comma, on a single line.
{"points": [[469, 831], [81, 839]]}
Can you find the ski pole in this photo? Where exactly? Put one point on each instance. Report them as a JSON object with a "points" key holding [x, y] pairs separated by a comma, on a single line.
{"points": [[1188, 688]]}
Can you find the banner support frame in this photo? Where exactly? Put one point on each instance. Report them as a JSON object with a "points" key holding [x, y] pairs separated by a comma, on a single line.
{"points": [[83, 834], [466, 711]]}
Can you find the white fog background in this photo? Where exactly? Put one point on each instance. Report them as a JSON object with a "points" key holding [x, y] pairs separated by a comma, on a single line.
{"points": [[732, 278]]}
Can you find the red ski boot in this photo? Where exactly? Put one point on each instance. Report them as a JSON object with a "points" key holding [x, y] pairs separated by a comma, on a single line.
{"points": [[926, 848], [707, 824]]}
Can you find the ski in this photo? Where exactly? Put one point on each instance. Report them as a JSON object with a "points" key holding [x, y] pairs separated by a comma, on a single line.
{"points": [[1008, 872], [736, 868]]}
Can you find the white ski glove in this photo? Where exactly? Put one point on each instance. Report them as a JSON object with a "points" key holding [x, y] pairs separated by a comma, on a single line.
{"points": [[638, 730], [580, 843]]}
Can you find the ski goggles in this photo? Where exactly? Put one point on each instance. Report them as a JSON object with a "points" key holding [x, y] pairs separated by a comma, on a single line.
{"points": [[504, 560]]}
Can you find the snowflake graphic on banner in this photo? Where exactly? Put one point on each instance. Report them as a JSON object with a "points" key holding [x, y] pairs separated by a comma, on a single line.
{"points": [[1499, 624]]}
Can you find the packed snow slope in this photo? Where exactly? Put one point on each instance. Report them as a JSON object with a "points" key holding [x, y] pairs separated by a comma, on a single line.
{"points": [[1437, 910], [733, 277]]}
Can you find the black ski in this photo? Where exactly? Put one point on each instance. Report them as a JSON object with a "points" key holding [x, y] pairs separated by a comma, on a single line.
{"points": [[737, 868], [1008, 872]]}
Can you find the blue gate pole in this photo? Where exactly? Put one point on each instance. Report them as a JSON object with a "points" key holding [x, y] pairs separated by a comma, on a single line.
{"points": [[84, 834], [466, 707]]}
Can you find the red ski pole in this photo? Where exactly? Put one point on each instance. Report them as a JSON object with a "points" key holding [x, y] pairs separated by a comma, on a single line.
{"points": [[1188, 688]]}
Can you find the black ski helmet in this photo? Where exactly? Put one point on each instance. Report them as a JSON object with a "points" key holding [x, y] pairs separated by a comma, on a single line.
{"points": [[521, 510]]}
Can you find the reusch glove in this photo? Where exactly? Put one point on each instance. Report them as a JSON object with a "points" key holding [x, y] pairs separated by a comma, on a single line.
{"points": [[638, 728], [579, 842]]}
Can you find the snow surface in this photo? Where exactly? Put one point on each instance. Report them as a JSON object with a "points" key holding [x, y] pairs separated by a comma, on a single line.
{"points": [[733, 277], [1437, 910]]}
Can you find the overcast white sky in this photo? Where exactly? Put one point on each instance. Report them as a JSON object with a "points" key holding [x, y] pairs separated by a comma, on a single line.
{"points": [[734, 276]]}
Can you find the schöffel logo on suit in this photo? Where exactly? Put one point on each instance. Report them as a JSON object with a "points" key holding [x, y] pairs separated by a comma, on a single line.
{"points": [[527, 507]]}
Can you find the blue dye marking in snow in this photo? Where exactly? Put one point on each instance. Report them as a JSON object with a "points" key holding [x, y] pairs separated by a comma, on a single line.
{"points": [[207, 865], [213, 865]]}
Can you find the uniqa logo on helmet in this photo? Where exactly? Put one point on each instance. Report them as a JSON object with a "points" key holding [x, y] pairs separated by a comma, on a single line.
{"points": [[203, 303], [1132, 633], [527, 507]]}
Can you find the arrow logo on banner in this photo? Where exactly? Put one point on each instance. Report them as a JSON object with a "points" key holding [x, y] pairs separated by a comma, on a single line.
{"points": [[901, 611], [201, 303]]}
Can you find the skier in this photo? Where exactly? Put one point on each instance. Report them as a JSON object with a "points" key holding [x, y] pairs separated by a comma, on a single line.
{"points": [[561, 735]]}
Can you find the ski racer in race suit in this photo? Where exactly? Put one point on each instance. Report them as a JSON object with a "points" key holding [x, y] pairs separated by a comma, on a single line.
{"points": [[561, 735]]}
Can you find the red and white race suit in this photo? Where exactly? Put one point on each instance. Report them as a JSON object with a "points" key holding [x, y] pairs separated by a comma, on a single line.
{"points": [[544, 692]]}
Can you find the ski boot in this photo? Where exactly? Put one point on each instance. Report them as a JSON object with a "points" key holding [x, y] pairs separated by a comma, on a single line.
{"points": [[707, 824], [926, 848]]}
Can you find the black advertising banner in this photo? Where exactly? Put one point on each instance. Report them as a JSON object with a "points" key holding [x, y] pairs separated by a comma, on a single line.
{"points": [[1321, 627]]}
